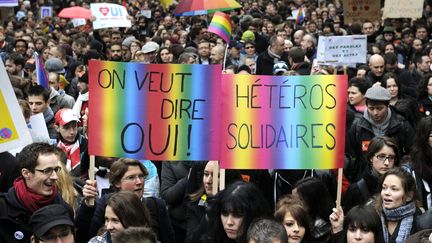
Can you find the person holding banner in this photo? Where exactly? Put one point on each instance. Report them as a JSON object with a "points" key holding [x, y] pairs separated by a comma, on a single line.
{"points": [[125, 175], [361, 224]]}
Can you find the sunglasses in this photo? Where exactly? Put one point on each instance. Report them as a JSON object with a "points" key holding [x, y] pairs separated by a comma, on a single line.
{"points": [[249, 47]]}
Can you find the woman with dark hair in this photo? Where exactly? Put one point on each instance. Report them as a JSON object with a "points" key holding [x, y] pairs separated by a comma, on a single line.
{"points": [[406, 106], [357, 88], [383, 154], [234, 209], [318, 203], [164, 55], [123, 210], [294, 218], [125, 175], [421, 161], [362, 224], [200, 188], [425, 95], [396, 205]]}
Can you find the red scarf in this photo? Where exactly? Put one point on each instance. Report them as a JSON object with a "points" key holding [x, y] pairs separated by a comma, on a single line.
{"points": [[73, 153], [31, 200]]}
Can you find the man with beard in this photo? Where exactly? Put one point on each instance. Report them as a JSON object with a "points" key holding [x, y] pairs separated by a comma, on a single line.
{"points": [[15, 65], [115, 52], [71, 142], [275, 53], [34, 189]]}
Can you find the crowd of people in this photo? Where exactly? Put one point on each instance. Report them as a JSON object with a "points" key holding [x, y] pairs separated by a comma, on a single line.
{"points": [[45, 191]]}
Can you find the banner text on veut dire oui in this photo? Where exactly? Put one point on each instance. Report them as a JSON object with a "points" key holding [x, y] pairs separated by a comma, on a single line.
{"points": [[165, 112], [179, 112]]}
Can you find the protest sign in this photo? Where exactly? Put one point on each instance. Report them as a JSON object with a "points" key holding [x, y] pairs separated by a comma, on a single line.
{"points": [[78, 22], [154, 111], [283, 122], [109, 15], [8, 3], [45, 11], [357, 11], [340, 50], [13, 128], [403, 9]]}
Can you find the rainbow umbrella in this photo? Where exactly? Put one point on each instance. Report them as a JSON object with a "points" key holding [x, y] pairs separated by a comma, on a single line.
{"points": [[199, 7]]}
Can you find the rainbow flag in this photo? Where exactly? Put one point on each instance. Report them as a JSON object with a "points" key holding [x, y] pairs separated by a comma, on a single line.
{"points": [[300, 16], [221, 26], [283, 122], [42, 77], [154, 111]]}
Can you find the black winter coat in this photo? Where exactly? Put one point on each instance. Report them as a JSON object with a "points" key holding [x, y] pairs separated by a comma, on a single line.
{"points": [[14, 218]]}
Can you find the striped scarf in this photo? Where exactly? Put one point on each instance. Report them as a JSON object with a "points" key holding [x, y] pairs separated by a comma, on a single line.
{"points": [[73, 154], [404, 213]]}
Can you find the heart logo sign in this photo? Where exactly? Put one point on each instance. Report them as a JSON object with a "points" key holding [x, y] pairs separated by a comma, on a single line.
{"points": [[104, 10]]}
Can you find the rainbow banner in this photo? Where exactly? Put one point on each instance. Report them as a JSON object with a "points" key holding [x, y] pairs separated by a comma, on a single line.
{"points": [[221, 26], [41, 75], [283, 122], [154, 111]]}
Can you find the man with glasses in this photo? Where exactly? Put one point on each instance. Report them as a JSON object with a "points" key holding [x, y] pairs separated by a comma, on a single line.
{"points": [[34, 189], [379, 119], [51, 223]]}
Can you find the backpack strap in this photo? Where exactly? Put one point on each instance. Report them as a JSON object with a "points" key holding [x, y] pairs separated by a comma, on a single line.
{"points": [[363, 189]]}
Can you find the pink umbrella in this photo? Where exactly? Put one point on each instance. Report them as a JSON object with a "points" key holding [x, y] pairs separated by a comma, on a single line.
{"points": [[75, 12]]}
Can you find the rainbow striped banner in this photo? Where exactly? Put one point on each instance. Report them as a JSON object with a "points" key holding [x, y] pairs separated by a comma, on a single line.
{"points": [[155, 111], [41, 75], [221, 26], [283, 122]]}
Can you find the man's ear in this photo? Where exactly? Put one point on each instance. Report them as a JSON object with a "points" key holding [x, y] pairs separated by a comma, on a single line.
{"points": [[57, 127], [33, 239], [25, 173]]}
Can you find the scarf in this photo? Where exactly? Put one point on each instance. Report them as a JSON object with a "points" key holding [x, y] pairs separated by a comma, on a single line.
{"points": [[78, 104], [273, 55], [31, 200], [404, 213], [48, 115], [73, 153], [378, 129]]}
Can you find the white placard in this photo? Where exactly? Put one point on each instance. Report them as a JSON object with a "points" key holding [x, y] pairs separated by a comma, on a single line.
{"points": [[403, 9], [13, 128], [38, 126], [109, 15], [78, 22], [146, 13], [341, 50]]}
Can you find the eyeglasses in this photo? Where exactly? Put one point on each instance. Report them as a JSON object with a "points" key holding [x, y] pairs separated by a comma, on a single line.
{"points": [[132, 178], [249, 47], [383, 157], [49, 170]]}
